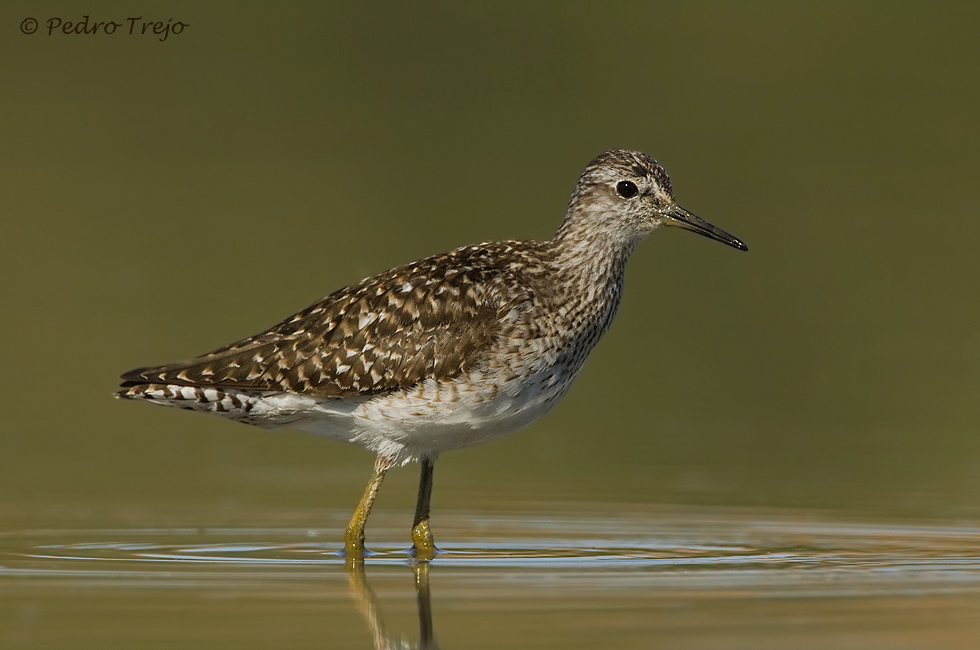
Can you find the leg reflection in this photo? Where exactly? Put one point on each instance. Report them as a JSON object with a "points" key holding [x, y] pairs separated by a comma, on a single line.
{"points": [[427, 637], [370, 609]]}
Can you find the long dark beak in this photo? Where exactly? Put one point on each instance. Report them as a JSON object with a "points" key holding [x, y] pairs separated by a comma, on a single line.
{"points": [[678, 216]]}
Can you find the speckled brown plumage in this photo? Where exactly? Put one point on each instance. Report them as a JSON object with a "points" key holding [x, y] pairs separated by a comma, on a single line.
{"points": [[431, 318]]}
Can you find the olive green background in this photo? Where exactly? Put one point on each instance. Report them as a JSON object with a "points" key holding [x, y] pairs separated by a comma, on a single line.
{"points": [[164, 198]]}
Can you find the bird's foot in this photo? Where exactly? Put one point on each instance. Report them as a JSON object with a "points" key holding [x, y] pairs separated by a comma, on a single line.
{"points": [[422, 543]]}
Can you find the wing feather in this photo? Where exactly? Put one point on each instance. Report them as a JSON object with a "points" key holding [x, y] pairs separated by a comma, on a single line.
{"points": [[432, 318]]}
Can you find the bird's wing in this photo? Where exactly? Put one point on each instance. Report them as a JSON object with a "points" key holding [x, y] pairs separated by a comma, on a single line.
{"points": [[431, 318]]}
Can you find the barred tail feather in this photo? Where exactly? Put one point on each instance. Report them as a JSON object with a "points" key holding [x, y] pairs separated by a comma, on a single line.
{"points": [[230, 403]]}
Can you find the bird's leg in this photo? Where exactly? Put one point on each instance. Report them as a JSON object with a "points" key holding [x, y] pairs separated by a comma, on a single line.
{"points": [[425, 547], [354, 539]]}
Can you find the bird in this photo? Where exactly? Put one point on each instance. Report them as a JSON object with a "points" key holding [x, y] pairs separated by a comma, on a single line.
{"points": [[443, 353]]}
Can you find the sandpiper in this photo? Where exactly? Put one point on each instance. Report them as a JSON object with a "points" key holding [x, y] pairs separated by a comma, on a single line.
{"points": [[443, 353]]}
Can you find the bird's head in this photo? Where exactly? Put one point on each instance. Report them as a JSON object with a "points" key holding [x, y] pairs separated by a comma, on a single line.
{"points": [[626, 195]]}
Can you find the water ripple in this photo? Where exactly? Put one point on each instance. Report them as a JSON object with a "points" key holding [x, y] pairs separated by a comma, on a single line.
{"points": [[683, 552]]}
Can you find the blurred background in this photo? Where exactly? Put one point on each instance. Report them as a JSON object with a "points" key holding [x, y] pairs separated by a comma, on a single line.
{"points": [[164, 197]]}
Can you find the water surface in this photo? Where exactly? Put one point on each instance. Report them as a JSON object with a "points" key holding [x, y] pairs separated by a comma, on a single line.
{"points": [[683, 579]]}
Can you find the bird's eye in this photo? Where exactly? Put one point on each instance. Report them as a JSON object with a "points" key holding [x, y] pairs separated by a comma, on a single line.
{"points": [[627, 189]]}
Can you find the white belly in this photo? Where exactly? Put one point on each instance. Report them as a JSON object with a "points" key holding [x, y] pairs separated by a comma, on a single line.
{"points": [[429, 418]]}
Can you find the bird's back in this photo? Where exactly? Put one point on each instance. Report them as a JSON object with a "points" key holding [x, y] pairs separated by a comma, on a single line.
{"points": [[432, 319]]}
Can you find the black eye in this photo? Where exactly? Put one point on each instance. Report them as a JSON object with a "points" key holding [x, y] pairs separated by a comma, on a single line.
{"points": [[627, 189]]}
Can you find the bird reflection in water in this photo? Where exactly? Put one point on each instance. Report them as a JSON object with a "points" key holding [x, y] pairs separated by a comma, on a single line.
{"points": [[370, 608]]}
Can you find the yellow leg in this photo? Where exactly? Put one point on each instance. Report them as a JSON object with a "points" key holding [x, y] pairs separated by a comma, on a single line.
{"points": [[422, 541], [354, 539]]}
